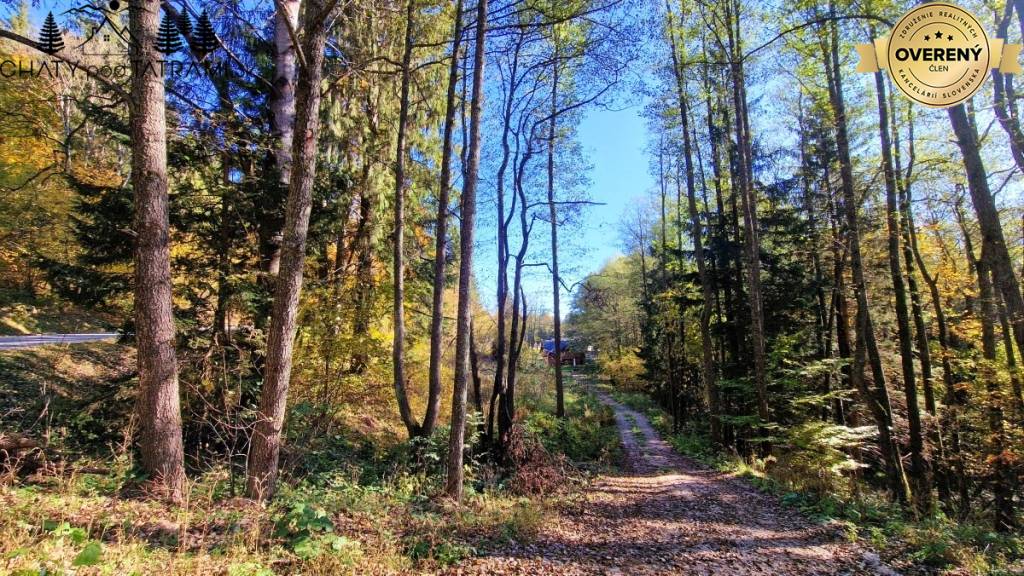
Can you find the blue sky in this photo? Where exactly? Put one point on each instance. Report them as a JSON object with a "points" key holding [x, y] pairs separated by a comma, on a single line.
{"points": [[614, 143]]}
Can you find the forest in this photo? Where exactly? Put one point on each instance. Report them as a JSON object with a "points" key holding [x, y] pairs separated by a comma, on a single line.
{"points": [[327, 287]]}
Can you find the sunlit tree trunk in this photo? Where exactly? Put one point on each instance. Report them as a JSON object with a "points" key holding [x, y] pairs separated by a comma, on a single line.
{"points": [[158, 405], [282, 117], [920, 483], [912, 261], [456, 442], [398, 231], [903, 184], [553, 213], [840, 305], [709, 374], [441, 232], [866, 345], [265, 447]]}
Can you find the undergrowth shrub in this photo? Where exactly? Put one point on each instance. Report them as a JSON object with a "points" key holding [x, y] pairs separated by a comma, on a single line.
{"points": [[816, 457], [534, 470], [625, 371], [587, 435]]}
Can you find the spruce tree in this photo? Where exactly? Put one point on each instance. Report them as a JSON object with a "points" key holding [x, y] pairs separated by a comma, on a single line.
{"points": [[167, 39], [205, 39], [50, 38]]}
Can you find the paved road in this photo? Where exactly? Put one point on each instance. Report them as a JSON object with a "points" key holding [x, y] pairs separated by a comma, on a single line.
{"points": [[31, 341]]}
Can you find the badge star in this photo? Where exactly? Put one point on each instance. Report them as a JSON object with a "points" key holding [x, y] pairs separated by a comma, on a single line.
{"points": [[938, 34], [927, 38]]}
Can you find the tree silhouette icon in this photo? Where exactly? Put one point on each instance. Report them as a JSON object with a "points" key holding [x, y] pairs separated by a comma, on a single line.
{"points": [[185, 24], [50, 39], [167, 39], [204, 40]]}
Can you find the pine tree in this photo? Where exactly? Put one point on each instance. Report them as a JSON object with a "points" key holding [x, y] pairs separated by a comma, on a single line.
{"points": [[185, 24], [167, 39], [205, 39], [50, 39]]}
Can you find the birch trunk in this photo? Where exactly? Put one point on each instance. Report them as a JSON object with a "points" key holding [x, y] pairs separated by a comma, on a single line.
{"points": [[282, 113]]}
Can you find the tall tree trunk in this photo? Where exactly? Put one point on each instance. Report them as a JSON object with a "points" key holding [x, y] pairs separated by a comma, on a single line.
{"points": [[507, 407], [158, 405], [456, 444], [1002, 471], [750, 220], [993, 242], [957, 396], [503, 220], [903, 185], [724, 266], [667, 340], [398, 240], [441, 232], [741, 361], [912, 259], [920, 483], [282, 112], [839, 305], [866, 345], [265, 447], [707, 288], [556, 280]]}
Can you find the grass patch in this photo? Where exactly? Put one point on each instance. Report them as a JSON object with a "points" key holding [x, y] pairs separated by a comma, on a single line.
{"points": [[328, 524], [587, 436], [356, 501]]}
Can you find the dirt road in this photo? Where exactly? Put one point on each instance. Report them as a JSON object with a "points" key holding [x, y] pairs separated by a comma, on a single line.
{"points": [[670, 515]]}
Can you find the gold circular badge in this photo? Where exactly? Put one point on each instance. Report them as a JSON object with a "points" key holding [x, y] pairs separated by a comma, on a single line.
{"points": [[938, 55]]}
